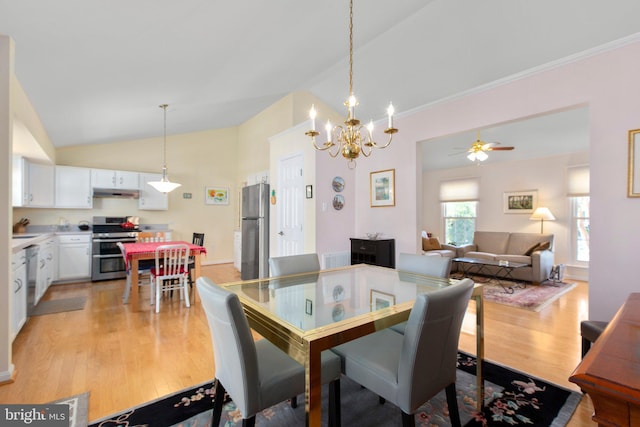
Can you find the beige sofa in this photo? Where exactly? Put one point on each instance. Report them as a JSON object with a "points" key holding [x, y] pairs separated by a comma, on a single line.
{"points": [[513, 247]]}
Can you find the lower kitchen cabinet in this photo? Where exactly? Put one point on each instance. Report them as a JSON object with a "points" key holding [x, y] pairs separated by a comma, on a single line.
{"points": [[74, 256], [18, 304]]}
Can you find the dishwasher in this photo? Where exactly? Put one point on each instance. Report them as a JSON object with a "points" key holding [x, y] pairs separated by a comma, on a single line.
{"points": [[32, 275]]}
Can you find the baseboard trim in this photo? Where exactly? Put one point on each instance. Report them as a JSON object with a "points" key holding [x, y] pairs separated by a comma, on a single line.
{"points": [[7, 377]]}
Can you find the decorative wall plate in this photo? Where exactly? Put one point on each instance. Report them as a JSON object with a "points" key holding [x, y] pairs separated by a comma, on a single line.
{"points": [[338, 202], [337, 184]]}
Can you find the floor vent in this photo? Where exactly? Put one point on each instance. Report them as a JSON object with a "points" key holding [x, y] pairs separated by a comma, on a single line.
{"points": [[336, 259]]}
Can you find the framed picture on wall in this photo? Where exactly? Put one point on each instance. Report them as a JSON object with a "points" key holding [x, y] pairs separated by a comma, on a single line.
{"points": [[633, 185], [382, 188], [520, 201], [216, 196]]}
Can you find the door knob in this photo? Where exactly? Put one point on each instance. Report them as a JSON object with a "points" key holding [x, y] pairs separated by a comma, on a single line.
{"points": [[281, 233]]}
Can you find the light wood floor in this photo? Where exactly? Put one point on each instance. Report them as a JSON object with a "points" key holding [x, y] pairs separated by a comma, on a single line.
{"points": [[124, 358]]}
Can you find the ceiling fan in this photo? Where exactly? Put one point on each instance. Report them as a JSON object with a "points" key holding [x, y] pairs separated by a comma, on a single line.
{"points": [[478, 150]]}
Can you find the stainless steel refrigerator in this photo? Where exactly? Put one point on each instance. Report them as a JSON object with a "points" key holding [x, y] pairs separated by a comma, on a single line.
{"points": [[255, 232]]}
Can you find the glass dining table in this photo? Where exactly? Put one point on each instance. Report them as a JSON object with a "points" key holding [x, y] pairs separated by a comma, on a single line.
{"points": [[304, 314]]}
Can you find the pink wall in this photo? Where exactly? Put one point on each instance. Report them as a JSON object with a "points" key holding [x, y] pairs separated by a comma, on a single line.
{"points": [[609, 83]]}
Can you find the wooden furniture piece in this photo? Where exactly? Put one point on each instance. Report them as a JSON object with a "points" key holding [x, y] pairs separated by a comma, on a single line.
{"points": [[304, 314], [171, 271], [196, 239], [610, 371], [380, 252], [134, 252]]}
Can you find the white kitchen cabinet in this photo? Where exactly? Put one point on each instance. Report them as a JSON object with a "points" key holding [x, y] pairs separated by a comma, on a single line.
{"points": [[74, 256], [33, 183], [18, 303], [73, 187], [46, 269], [106, 178], [150, 198]]}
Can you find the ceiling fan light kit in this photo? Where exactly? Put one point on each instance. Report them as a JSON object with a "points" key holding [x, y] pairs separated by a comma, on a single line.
{"points": [[478, 150]]}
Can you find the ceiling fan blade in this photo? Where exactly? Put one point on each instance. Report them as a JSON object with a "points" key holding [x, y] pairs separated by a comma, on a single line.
{"points": [[501, 148]]}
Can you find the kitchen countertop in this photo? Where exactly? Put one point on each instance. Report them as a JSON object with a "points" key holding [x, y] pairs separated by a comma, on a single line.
{"points": [[21, 241]]}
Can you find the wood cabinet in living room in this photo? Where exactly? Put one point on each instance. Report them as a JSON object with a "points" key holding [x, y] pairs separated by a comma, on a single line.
{"points": [[380, 252]]}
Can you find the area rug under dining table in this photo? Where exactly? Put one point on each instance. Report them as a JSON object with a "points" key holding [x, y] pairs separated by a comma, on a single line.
{"points": [[511, 398]]}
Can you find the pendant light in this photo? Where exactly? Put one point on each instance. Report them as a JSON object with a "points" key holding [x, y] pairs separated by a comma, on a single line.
{"points": [[164, 185]]}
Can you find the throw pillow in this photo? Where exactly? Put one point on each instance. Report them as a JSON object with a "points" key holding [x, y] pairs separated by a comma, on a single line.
{"points": [[543, 246], [430, 244], [532, 249]]}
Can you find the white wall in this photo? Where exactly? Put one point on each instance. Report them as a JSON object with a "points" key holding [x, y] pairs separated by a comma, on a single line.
{"points": [[546, 175], [605, 82]]}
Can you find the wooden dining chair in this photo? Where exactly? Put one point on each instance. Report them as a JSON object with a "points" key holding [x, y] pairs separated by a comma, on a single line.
{"points": [[171, 272], [127, 286], [255, 374], [196, 239]]}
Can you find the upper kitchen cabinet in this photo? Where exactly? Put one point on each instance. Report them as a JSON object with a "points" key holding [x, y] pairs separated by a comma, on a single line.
{"points": [[33, 183], [73, 187], [123, 180], [150, 198]]}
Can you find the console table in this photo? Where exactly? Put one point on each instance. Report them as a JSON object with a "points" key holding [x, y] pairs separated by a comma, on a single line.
{"points": [[610, 371], [380, 252]]}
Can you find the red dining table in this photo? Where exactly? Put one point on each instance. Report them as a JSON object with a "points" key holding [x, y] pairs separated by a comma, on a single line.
{"points": [[134, 252]]}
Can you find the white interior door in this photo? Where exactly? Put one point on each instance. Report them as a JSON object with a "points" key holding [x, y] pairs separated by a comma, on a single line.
{"points": [[290, 206]]}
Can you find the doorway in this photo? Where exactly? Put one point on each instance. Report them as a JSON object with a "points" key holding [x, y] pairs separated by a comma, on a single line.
{"points": [[290, 207]]}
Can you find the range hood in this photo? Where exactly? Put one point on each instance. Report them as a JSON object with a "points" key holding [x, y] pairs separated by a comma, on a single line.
{"points": [[116, 193]]}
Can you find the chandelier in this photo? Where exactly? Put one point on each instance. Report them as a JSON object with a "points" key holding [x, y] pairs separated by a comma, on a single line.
{"points": [[164, 185], [352, 139]]}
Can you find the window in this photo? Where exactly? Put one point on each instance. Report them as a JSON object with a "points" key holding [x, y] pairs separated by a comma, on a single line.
{"points": [[579, 204], [580, 228], [459, 209], [459, 222]]}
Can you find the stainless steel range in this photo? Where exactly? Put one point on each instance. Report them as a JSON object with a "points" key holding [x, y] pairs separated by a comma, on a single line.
{"points": [[106, 260]]}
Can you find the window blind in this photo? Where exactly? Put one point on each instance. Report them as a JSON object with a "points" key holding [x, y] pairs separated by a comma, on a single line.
{"points": [[459, 190], [578, 181]]}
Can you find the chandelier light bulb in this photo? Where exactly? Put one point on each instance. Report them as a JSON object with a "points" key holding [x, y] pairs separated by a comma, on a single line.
{"points": [[312, 116], [328, 127], [370, 126]]}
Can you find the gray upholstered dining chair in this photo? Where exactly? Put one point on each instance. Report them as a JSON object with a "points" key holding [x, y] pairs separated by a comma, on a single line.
{"points": [[293, 264], [435, 266], [428, 265], [590, 331], [255, 374], [415, 366]]}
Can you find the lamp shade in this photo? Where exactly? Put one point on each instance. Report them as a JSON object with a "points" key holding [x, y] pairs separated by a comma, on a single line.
{"points": [[543, 214]]}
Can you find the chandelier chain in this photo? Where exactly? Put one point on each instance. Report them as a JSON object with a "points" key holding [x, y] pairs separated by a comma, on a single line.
{"points": [[351, 47], [164, 149]]}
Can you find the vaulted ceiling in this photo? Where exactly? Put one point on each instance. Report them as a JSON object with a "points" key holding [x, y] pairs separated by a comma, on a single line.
{"points": [[96, 71]]}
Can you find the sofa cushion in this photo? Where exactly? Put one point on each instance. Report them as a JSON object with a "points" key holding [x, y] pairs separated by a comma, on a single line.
{"points": [[440, 252], [430, 244], [491, 241], [531, 249], [481, 255], [543, 246], [515, 258], [519, 243]]}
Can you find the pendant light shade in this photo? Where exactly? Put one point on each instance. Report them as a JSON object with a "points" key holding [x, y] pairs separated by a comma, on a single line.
{"points": [[164, 185]]}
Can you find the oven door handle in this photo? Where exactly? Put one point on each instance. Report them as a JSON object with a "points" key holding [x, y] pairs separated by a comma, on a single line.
{"points": [[108, 256], [132, 240]]}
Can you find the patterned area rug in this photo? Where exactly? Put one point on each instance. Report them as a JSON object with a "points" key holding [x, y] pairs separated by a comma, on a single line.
{"points": [[78, 409], [511, 399], [529, 297]]}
